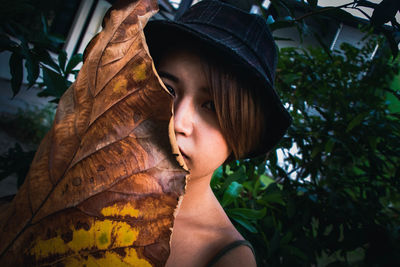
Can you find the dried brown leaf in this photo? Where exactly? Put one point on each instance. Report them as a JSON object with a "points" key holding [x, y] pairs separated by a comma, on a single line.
{"points": [[104, 184]]}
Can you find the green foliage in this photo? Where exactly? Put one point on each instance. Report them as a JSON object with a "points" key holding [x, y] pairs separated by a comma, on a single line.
{"points": [[285, 14], [55, 81], [29, 127], [24, 32], [337, 199], [17, 161]]}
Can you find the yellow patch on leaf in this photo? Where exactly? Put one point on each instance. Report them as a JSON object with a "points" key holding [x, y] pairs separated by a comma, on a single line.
{"points": [[139, 72], [110, 258], [120, 86], [118, 210], [101, 235]]}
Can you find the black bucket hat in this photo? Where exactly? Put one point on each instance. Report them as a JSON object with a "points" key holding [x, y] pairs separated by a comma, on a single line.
{"points": [[244, 38]]}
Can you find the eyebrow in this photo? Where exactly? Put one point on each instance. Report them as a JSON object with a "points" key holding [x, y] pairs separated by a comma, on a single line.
{"points": [[168, 76]]}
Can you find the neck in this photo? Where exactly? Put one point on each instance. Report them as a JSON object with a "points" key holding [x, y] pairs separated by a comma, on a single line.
{"points": [[198, 195]]}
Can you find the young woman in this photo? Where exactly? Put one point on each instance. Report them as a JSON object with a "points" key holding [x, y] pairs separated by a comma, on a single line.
{"points": [[218, 62]]}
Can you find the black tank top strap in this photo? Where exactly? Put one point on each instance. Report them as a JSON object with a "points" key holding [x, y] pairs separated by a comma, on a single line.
{"points": [[228, 248]]}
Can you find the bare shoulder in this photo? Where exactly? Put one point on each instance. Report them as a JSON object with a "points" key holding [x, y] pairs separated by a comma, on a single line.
{"points": [[233, 252], [210, 233]]}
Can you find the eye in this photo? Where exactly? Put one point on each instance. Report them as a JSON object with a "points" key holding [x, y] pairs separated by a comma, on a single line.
{"points": [[170, 89], [209, 105]]}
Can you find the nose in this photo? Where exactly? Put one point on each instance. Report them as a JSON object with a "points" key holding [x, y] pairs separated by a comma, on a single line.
{"points": [[183, 116]]}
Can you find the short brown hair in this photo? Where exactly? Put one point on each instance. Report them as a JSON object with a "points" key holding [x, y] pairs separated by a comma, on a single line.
{"points": [[237, 99]]}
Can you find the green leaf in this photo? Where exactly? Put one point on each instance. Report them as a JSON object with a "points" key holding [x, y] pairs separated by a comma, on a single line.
{"points": [[31, 63], [286, 238], [316, 150], [55, 83], [322, 44], [246, 224], [57, 40], [16, 70], [329, 145], [44, 24], [356, 121], [384, 12], [372, 140], [43, 55], [266, 180], [392, 43], [231, 193], [62, 59], [297, 252], [291, 208], [73, 62], [217, 175], [248, 214], [32, 67], [248, 185], [15, 161], [274, 188], [274, 242], [25, 51], [272, 198], [238, 175], [6, 43], [290, 78]]}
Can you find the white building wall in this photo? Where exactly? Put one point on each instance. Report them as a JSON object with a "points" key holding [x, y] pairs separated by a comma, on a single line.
{"points": [[350, 35]]}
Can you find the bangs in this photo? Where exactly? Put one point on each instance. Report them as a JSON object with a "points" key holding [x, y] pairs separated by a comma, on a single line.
{"points": [[237, 99]]}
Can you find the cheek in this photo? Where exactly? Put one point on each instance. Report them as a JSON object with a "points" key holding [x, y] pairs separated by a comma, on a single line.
{"points": [[218, 147], [213, 141], [215, 138], [212, 151]]}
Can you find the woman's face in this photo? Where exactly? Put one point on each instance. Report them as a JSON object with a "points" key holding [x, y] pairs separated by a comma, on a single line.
{"points": [[197, 130]]}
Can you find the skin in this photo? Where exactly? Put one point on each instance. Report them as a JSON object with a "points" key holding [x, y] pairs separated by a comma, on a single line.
{"points": [[201, 226]]}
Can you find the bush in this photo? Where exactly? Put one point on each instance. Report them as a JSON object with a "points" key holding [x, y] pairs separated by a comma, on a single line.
{"points": [[337, 199], [28, 127]]}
